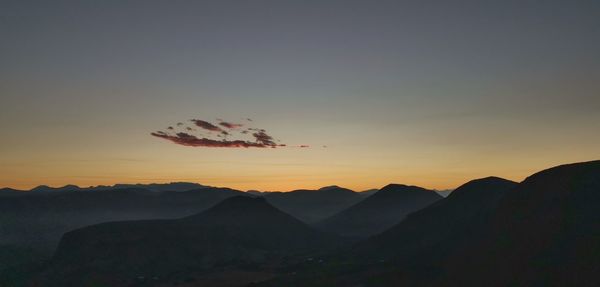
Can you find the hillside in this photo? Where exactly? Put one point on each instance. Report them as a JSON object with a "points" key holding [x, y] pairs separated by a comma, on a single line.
{"points": [[238, 234], [379, 211]]}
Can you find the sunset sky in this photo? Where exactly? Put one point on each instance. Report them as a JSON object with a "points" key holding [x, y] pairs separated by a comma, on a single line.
{"points": [[429, 93]]}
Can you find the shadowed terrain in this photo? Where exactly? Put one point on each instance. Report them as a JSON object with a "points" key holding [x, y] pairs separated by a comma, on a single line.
{"points": [[39, 218], [379, 211], [238, 234], [488, 232], [546, 232], [311, 206]]}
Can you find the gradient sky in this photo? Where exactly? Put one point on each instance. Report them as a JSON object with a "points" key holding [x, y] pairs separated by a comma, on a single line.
{"points": [[431, 93]]}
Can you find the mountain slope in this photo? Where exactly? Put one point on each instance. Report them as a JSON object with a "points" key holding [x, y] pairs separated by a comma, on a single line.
{"points": [[40, 218], [427, 233], [379, 211], [240, 232], [545, 233], [313, 205]]}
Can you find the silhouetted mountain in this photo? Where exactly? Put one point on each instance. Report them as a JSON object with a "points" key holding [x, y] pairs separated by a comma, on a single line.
{"points": [[545, 233], [10, 191], [427, 233], [242, 233], [45, 188], [444, 192], [379, 211], [173, 186], [313, 205], [541, 232], [256, 192], [40, 218], [368, 192]]}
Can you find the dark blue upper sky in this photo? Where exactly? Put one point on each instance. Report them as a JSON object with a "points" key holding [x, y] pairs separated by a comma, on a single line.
{"points": [[408, 87]]}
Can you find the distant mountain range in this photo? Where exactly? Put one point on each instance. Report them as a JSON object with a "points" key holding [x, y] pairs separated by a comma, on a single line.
{"points": [[173, 186], [39, 217]]}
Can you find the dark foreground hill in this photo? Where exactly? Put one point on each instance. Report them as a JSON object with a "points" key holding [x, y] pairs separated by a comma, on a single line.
{"points": [[545, 233], [311, 206], [240, 234], [380, 211]]}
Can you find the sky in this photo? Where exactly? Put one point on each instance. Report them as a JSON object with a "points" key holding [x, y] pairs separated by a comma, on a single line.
{"points": [[429, 93]]}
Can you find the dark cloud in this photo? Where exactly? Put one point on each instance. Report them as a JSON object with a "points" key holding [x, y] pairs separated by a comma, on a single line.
{"points": [[186, 139], [206, 125], [222, 137], [230, 125], [264, 138]]}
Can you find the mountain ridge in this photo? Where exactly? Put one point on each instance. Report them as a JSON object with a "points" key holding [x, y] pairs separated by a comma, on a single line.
{"points": [[379, 211], [239, 231]]}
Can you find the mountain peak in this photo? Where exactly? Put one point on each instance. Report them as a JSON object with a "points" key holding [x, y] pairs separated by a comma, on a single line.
{"points": [[394, 186], [402, 188], [571, 171], [379, 211], [240, 208], [329, 187], [481, 186]]}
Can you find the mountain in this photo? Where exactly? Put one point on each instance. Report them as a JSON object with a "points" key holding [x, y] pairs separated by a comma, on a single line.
{"points": [[368, 192], [546, 232], [39, 219], [444, 192], [9, 191], [379, 211], [173, 186], [45, 188], [543, 231], [240, 234], [427, 233], [311, 206]]}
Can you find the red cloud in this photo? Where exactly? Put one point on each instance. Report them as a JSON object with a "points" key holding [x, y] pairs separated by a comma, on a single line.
{"points": [[220, 139], [190, 140]]}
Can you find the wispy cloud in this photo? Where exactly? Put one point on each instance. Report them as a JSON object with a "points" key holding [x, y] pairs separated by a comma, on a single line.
{"points": [[207, 126], [230, 125], [230, 136], [186, 139]]}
